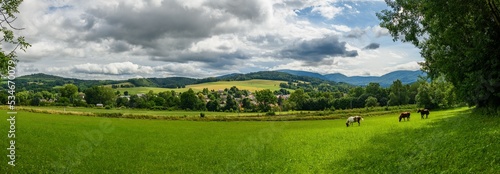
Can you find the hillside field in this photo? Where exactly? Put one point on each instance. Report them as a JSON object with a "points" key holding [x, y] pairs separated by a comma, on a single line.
{"points": [[251, 85], [452, 141]]}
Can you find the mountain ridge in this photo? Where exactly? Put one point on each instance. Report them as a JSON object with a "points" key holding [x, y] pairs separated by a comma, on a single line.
{"points": [[406, 77]]}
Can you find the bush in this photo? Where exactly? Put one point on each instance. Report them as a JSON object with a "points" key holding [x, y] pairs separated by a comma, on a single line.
{"points": [[270, 113], [202, 115], [113, 115], [107, 107], [158, 108]]}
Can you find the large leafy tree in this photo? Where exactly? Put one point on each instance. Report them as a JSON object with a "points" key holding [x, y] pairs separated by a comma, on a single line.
{"points": [[100, 95], [265, 98], [189, 100], [298, 98], [10, 42], [457, 38], [398, 94]]}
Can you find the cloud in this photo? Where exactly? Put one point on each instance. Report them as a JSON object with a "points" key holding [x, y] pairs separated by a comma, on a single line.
{"points": [[342, 28], [120, 68], [405, 66], [327, 10], [355, 33], [217, 36], [372, 46], [379, 31], [316, 50]]}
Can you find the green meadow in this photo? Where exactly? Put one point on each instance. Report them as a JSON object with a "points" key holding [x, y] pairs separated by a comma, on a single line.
{"points": [[450, 141], [251, 85]]}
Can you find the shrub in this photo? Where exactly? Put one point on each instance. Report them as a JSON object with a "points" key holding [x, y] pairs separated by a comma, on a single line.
{"points": [[113, 115], [270, 113], [202, 115]]}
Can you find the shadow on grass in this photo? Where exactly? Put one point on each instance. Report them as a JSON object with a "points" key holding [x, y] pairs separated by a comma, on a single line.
{"points": [[465, 143]]}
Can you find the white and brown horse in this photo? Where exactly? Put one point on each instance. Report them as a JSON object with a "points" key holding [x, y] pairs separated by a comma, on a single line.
{"points": [[353, 119]]}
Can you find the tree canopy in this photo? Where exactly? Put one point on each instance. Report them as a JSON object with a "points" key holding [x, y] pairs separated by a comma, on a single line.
{"points": [[458, 39], [10, 42]]}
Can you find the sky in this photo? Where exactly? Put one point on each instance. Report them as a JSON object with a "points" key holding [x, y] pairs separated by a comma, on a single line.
{"points": [[121, 39]]}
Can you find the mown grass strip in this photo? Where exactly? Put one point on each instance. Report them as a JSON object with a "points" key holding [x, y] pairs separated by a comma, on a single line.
{"points": [[220, 116]]}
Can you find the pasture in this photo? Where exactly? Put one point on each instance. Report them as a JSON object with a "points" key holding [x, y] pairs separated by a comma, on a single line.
{"points": [[452, 141], [251, 85]]}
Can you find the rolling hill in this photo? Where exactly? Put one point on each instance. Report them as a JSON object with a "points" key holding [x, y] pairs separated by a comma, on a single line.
{"points": [[406, 77], [38, 82]]}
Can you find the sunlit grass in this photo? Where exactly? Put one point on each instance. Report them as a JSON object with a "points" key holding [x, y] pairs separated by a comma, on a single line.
{"points": [[453, 141], [251, 85]]}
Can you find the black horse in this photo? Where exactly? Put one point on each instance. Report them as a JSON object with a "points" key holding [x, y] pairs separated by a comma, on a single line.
{"points": [[424, 112]]}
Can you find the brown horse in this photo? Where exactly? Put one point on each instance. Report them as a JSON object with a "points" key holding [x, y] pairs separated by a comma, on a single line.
{"points": [[353, 119], [404, 115], [424, 112]]}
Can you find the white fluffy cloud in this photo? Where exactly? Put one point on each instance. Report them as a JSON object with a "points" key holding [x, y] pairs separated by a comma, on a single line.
{"points": [[201, 38]]}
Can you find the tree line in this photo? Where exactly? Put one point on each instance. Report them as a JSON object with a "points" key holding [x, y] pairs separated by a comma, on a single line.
{"points": [[305, 96]]}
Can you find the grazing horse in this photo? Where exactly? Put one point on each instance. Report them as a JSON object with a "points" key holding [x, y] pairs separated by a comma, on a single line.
{"points": [[353, 119], [424, 112], [404, 115]]}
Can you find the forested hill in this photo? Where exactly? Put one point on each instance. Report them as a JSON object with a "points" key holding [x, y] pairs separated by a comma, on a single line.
{"points": [[38, 82], [406, 77], [178, 82], [45, 82]]}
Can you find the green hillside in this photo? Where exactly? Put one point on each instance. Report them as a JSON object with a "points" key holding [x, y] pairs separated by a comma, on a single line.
{"points": [[40, 82], [251, 85]]}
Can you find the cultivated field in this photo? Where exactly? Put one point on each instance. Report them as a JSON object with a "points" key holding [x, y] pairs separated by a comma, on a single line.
{"points": [[251, 85], [453, 141]]}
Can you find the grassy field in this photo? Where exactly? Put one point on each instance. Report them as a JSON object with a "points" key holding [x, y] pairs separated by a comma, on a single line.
{"points": [[453, 141], [251, 85]]}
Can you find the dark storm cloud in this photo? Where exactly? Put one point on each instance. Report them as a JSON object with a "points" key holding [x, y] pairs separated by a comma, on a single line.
{"points": [[317, 49], [267, 40], [168, 31], [119, 46], [372, 46], [243, 9], [146, 26], [210, 58]]}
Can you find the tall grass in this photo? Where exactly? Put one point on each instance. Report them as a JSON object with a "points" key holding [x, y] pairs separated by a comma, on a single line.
{"points": [[453, 141]]}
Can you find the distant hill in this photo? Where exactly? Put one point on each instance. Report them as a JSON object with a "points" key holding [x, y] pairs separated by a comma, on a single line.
{"points": [[303, 73], [406, 77], [38, 82], [41, 76]]}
